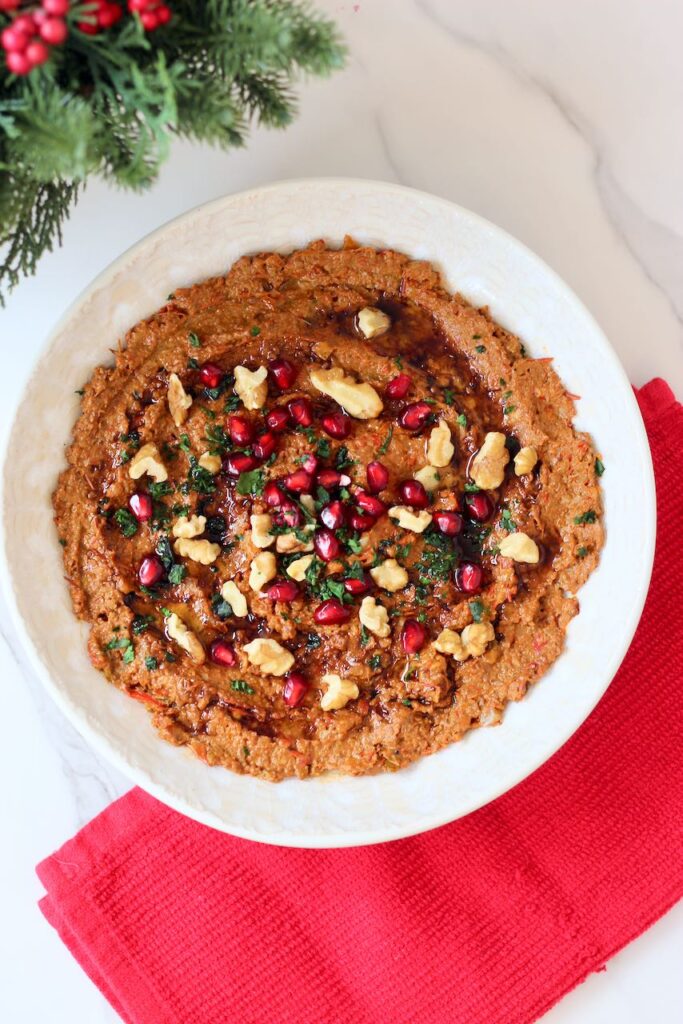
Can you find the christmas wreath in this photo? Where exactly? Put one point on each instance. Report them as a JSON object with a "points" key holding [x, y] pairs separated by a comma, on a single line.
{"points": [[101, 88]]}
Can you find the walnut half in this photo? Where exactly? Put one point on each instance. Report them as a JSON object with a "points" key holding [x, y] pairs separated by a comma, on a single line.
{"points": [[147, 460], [269, 656], [338, 692], [488, 465], [359, 399]]}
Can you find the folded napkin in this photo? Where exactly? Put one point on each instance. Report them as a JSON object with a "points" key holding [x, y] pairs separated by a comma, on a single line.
{"points": [[489, 920]]}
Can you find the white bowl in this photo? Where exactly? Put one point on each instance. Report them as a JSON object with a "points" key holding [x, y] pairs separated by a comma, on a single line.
{"points": [[489, 268]]}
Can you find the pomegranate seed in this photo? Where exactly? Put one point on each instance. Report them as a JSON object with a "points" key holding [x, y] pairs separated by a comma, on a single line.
{"points": [[359, 521], [301, 411], [331, 613], [399, 386], [288, 515], [356, 587], [327, 546], [223, 653], [478, 506], [333, 515], [449, 523], [468, 577], [210, 375], [415, 416], [330, 478], [240, 429], [141, 506], [264, 445], [283, 590], [277, 420], [368, 503], [239, 462], [272, 495], [299, 481], [295, 689], [309, 463], [151, 570], [413, 636], [284, 374], [377, 476], [413, 494], [337, 425]]}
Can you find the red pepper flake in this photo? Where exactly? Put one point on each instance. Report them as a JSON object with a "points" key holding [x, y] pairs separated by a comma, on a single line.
{"points": [[145, 698]]}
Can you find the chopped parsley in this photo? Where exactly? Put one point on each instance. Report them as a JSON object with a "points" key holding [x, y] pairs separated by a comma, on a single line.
{"points": [[449, 396], [131, 439], [198, 479], [218, 440], [343, 459], [375, 662], [242, 686], [255, 331], [126, 522], [322, 448], [462, 421], [599, 467], [232, 402], [161, 489], [177, 573], [477, 610], [398, 362], [184, 443], [141, 623], [194, 340], [507, 522], [79, 391], [170, 657], [123, 644], [408, 703], [151, 663], [438, 560], [165, 553], [581, 552], [313, 641], [586, 517], [364, 637], [384, 447], [192, 363], [471, 488], [252, 482], [508, 409], [220, 607], [479, 348]]}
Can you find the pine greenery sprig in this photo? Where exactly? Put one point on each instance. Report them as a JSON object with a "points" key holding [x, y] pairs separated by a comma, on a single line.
{"points": [[109, 104]]}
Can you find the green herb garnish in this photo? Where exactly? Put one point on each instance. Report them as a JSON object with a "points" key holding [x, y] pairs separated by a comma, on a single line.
{"points": [[384, 447], [375, 662], [479, 348], [477, 609], [151, 663], [507, 522], [252, 482], [141, 623], [220, 607], [461, 420], [599, 467], [586, 517], [194, 340], [255, 331], [242, 686], [126, 522], [177, 574]]}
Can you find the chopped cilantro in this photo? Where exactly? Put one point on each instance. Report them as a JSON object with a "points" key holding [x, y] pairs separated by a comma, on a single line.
{"points": [[192, 363], [141, 623], [161, 489], [471, 488], [599, 467], [384, 447], [184, 443], [126, 522], [194, 340], [232, 402], [218, 440], [343, 459], [508, 409], [322, 448], [462, 421], [252, 482], [507, 522], [198, 479], [128, 655], [255, 331], [439, 558], [118, 643], [364, 637], [449, 396], [242, 686], [165, 553], [480, 348], [375, 662], [151, 663], [581, 552], [586, 517], [180, 510]]}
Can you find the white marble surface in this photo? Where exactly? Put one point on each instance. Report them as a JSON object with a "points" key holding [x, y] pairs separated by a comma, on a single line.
{"points": [[559, 121]]}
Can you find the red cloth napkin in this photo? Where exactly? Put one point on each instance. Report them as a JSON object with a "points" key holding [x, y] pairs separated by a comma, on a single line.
{"points": [[491, 919]]}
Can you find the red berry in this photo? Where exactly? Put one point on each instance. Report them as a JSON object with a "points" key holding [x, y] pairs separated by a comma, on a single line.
{"points": [[37, 53], [330, 478], [57, 7], [333, 515], [18, 63], [415, 416], [283, 373], [331, 613], [377, 476], [283, 590], [109, 14], [449, 523], [300, 482], [164, 14], [151, 570], [468, 577], [223, 653], [272, 495], [239, 462], [14, 40], [337, 425], [478, 506], [327, 546], [241, 430], [413, 636], [25, 23], [413, 493], [354, 586], [264, 445], [301, 411], [210, 375], [141, 506], [9, 5], [399, 386], [53, 31], [88, 28], [359, 521], [295, 689], [368, 503], [288, 515], [277, 420], [309, 463], [149, 20]]}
